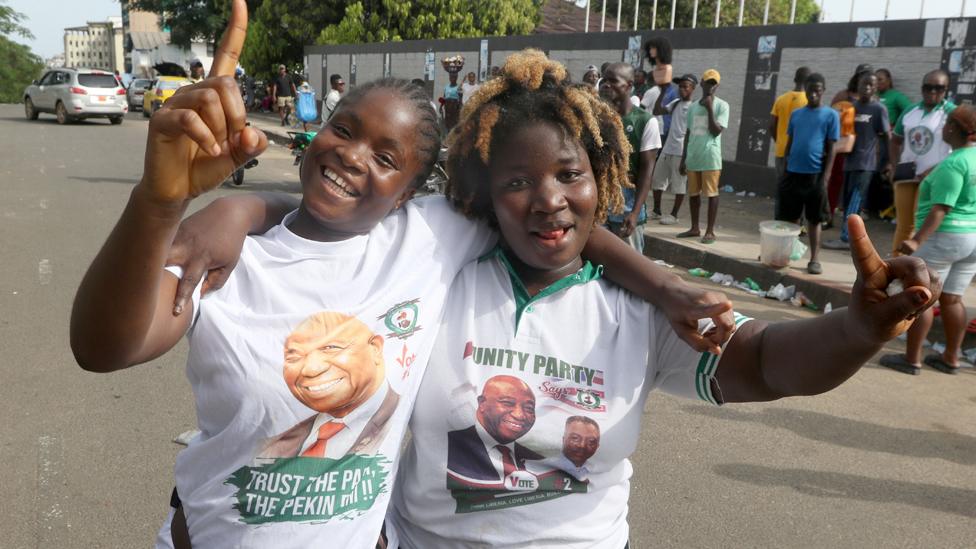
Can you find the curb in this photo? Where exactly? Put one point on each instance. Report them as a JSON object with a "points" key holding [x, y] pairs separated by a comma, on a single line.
{"points": [[685, 256]]}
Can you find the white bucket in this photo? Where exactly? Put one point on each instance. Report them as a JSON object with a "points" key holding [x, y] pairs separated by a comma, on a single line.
{"points": [[776, 240]]}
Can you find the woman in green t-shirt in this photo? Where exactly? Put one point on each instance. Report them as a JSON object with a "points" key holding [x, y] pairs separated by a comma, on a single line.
{"points": [[945, 238]]}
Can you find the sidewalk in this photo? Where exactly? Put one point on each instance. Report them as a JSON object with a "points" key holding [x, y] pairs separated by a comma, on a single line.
{"points": [[270, 124], [736, 250]]}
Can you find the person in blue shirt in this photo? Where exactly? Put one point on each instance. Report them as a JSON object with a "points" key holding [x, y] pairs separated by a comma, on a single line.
{"points": [[802, 191]]}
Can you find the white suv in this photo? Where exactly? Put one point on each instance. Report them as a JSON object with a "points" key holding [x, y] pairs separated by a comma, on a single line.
{"points": [[73, 94]]}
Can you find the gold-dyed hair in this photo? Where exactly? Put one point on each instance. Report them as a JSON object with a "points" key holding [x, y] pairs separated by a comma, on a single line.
{"points": [[532, 88]]}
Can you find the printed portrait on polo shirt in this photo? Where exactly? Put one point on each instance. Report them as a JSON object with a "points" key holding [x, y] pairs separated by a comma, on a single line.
{"points": [[487, 452], [334, 364], [581, 440]]}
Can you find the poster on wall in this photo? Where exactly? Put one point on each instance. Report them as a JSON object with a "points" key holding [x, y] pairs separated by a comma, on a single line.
{"points": [[483, 61], [767, 45], [429, 65], [867, 37], [956, 31], [633, 54], [386, 65], [352, 70]]}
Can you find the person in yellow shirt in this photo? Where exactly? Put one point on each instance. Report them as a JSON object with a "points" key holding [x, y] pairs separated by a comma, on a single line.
{"points": [[780, 116]]}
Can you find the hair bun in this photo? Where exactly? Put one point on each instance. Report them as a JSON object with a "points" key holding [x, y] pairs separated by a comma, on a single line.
{"points": [[530, 68]]}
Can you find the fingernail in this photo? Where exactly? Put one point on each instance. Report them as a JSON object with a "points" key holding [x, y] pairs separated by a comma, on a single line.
{"points": [[921, 298], [215, 149], [177, 309]]}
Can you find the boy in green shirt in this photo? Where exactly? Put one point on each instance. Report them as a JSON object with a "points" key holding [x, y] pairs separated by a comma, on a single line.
{"points": [[702, 158]]}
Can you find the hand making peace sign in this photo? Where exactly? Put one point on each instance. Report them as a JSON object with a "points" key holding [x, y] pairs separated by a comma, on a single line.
{"points": [[200, 136]]}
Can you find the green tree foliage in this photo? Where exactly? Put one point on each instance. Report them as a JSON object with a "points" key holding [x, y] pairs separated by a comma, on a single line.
{"points": [[393, 20], [807, 11], [279, 30], [18, 64]]}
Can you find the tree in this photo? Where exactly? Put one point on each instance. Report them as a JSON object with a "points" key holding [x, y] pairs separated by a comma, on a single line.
{"points": [[394, 20], [189, 20], [279, 30], [18, 64], [807, 11]]}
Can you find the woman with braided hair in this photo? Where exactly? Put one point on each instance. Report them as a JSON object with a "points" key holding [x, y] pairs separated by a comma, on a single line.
{"points": [[532, 404]]}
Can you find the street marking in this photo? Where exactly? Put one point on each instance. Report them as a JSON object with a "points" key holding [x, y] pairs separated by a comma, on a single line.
{"points": [[44, 271]]}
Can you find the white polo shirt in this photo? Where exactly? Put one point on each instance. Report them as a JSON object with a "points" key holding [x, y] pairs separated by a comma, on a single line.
{"points": [[394, 280], [586, 350], [922, 132]]}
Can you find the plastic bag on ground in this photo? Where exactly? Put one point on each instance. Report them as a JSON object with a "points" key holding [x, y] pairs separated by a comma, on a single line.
{"points": [[799, 248], [780, 292], [723, 279]]}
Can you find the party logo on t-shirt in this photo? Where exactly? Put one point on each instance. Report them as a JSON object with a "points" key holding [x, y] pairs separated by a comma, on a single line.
{"points": [[402, 319], [328, 465], [920, 139]]}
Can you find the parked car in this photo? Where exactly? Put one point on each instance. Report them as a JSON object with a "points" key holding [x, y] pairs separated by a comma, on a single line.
{"points": [[135, 91], [74, 94], [159, 91]]}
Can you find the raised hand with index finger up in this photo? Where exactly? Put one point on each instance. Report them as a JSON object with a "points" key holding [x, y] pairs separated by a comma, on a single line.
{"points": [[200, 135]]}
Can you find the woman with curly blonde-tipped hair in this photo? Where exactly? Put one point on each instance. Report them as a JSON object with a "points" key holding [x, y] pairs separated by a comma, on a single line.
{"points": [[532, 404]]}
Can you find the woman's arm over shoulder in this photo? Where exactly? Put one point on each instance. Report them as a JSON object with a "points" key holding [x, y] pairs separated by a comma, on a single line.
{"points": [[454, 235]]}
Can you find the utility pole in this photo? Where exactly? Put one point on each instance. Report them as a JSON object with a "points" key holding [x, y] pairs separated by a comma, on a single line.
{"points": [[636, 8], [620, 6], [766, 14], [694, 14], [673, 5], [851, 17], [793, 11], [921, 10], [742, 4], [586, 22], [888, 5], [718, 12], [603, 17]]}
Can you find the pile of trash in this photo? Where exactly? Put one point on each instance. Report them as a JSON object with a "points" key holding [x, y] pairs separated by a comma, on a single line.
{"points": [[777, 292]]}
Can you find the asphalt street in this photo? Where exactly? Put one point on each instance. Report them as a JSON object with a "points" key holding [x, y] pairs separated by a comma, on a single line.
{"points": [[887, 460]]}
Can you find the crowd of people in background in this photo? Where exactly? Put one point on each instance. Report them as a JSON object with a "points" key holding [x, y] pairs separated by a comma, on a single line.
{"points": [[869, 150]]}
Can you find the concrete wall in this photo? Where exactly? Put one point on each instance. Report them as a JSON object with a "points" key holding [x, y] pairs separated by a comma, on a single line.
{"points": [[756, 63]]}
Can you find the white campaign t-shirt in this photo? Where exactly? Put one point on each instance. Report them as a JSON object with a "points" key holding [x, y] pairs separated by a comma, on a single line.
{"points": [[674, 144], [922, 132], [255, 477], [585, 354]]}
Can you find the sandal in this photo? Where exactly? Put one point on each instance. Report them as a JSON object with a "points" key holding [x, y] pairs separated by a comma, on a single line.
{"points": [[900, 364], [688, 234], [936, 361], [814, 268], [708, 239]]}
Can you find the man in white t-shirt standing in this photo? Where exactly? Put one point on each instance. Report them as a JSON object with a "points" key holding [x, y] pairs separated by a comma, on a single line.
{"points": [[337, 85], [668, 172], [468, 87]]}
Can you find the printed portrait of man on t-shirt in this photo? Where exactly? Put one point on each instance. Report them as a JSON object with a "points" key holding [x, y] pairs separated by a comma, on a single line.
{"points": [[486, 466], [334, 365]]}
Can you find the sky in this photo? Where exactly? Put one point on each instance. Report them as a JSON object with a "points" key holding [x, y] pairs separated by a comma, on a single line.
{"points": [[48, 18]]}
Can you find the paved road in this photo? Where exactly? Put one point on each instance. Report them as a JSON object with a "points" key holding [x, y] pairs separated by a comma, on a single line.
{"points": [[886, 461]]}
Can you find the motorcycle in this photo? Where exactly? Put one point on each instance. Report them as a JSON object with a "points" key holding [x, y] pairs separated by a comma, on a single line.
{"points": [[437, 180], [299, 142], [237, 178]]}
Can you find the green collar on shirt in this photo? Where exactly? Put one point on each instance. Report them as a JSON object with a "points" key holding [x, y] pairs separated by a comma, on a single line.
{"points": [[587, 273]]}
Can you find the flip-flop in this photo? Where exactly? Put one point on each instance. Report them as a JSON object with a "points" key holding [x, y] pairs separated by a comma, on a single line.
{"points": [[688, 234], [708, 240], [936, 361], [900, 364], [814, 268]]}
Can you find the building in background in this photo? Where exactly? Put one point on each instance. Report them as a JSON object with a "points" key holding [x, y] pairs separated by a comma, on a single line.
{"points": [[96, 45], [54, 62], [140, 34]]}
